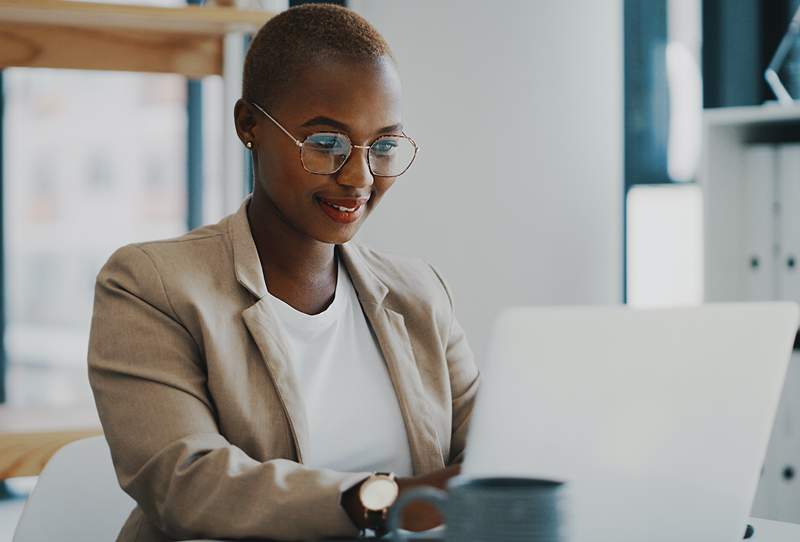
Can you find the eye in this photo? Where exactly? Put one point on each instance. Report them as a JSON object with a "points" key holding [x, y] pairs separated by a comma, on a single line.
{"points": [[384, 146], [332, 143]]}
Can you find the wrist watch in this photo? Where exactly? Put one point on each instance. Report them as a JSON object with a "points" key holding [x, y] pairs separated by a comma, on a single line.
{"points": [[377, 494]]}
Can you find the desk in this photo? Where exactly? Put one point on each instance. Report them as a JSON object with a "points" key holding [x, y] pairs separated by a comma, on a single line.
{"points": [[765, 531], [774, 531]]}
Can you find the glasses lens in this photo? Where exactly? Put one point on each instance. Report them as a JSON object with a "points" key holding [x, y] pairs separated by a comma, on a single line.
{"points": [[325, 152], [390, 156]]}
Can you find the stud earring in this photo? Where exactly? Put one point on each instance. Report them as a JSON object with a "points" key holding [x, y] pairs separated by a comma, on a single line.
{"points": [[249, 144]]}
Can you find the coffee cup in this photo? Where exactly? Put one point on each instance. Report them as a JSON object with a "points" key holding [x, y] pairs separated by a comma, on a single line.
{"points": [[492, 510]]}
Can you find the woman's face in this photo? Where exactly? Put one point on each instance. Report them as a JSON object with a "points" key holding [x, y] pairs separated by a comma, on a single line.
{"points": [[361, 100]]}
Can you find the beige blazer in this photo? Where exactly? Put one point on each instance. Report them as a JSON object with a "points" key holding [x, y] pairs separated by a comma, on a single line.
{"points": [[198, 401]]}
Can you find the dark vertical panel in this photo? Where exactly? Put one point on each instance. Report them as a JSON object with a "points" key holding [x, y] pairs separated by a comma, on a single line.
{"points": [[712, 54], [194, 149], [646, 92], [731, 53], [739, 39], [248, 173], [194, 154], [248, 158], [741, 67]]}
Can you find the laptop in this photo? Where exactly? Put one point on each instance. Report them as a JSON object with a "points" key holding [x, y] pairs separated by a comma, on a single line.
{"points": [[658, 420]]}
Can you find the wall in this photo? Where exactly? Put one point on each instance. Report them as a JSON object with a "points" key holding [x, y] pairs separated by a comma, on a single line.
{"points": [[516, 194]]}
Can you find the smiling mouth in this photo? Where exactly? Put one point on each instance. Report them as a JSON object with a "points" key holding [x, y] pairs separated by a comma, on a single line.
{"points": [[343, 211]]}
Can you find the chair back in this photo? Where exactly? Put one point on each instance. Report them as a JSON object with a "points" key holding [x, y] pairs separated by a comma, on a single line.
{"points": [[77, 497]]}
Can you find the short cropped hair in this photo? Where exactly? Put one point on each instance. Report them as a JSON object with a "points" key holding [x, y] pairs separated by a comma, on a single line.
{"points": [[308, 32]]}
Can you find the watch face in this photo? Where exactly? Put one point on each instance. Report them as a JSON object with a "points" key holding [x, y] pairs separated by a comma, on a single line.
{"points": [[378, 493]]}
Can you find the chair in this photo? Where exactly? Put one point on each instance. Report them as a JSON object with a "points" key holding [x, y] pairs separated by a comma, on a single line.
{"points": [[77, 497]]}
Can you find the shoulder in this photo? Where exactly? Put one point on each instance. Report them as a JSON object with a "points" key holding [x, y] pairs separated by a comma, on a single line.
{"points": [[150, 264], [204, 242]]}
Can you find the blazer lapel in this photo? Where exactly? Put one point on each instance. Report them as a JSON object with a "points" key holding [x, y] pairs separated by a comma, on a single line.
{"points": [[264, 327], [395, 344]]}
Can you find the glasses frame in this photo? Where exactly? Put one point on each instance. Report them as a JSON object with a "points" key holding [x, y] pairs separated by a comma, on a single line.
{"points": [[300, 144]]}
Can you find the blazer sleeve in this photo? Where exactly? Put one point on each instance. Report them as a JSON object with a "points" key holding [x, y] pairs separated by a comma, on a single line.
{"points": [[464, 380], [149, 382]]}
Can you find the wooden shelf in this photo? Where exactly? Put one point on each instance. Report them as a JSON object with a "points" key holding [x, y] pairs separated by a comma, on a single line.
{"points": [[62, 34], [207, 20], [30, 436]]}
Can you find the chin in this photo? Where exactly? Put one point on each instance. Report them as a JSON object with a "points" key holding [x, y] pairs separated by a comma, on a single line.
{"points": [[337, 238], [335, 234]]}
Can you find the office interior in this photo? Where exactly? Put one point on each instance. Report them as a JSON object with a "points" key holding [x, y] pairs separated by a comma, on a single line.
{"points": [[571, 154]]}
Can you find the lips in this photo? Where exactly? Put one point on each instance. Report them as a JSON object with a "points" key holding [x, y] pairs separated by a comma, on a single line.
{"points": [[346, 205], [342, 210]]}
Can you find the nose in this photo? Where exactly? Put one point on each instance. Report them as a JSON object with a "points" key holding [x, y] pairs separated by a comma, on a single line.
{"points": [[355, 171]]}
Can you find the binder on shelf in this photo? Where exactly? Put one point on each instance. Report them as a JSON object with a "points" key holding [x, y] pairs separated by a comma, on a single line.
{"points": [[788, 235], [759, 223]]}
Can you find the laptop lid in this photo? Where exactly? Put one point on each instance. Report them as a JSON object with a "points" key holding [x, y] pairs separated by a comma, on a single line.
{"points": [[658, 419]]}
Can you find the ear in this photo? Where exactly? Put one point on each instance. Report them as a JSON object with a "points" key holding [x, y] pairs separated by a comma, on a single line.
{"points": [[246, 122]]}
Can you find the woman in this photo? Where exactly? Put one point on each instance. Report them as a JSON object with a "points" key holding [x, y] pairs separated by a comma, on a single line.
{"points": [[263, 377]]}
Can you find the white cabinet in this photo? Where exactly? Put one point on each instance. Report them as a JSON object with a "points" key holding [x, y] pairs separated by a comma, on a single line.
{"points": [[750, 176]]}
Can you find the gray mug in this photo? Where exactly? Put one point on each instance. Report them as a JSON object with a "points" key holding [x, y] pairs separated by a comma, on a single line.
{"points": [[492, 510]]}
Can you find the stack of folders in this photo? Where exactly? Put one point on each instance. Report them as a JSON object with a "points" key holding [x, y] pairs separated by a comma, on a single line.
{"points": [[771, 222]]}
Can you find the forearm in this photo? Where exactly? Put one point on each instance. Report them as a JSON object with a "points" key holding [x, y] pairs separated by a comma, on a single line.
{"points": [[202, 488]]}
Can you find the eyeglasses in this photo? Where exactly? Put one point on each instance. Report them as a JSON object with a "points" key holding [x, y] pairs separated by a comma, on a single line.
{"points": [[324, 153]]}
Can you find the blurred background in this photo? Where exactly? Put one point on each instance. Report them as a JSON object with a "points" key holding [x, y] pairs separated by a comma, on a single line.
{"points": [[572, 152]]}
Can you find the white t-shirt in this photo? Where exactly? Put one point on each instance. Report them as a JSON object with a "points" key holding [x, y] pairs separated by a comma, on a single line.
{"points": [[354, 418]]}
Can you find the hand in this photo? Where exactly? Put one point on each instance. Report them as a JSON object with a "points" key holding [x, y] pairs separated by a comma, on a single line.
{"points": [[418, 515]]}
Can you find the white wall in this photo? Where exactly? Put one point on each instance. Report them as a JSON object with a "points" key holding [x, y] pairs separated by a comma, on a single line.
{"points": [[516, 195]]}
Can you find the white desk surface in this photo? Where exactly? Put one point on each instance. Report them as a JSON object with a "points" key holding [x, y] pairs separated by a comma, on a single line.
{"points": [[764, 531], [774, 531]]}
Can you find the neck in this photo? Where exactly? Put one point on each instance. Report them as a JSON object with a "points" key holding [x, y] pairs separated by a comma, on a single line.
{"points": [[286, 252]]}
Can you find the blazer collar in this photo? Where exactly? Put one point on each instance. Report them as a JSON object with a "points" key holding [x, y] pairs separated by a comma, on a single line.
{"points": [[246, 263], [369, 287]]}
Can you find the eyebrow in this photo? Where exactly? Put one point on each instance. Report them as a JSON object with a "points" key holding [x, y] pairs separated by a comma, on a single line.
{"points": [[327, 121]]}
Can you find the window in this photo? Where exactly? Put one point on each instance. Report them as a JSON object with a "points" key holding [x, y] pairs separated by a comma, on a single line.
{"points": [[94, 160]]}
